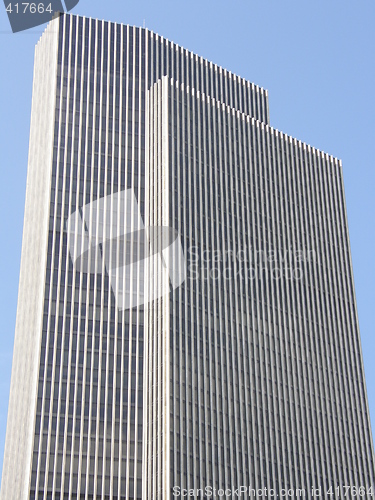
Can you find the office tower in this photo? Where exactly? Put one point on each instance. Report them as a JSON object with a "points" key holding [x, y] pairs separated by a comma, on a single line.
{"points": [[250, 372]]}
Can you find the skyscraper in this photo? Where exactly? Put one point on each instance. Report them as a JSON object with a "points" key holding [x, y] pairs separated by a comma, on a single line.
{"points": [[249, 372]]}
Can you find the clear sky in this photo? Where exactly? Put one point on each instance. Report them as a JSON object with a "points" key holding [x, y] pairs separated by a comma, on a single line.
{"points": [[317, 59]]}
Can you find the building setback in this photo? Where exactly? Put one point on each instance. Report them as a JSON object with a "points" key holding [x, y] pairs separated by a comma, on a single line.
{"points": [[250, 372]]}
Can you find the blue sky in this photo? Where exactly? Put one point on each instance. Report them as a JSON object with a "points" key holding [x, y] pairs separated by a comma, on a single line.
{"points": [[317, 59]]}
